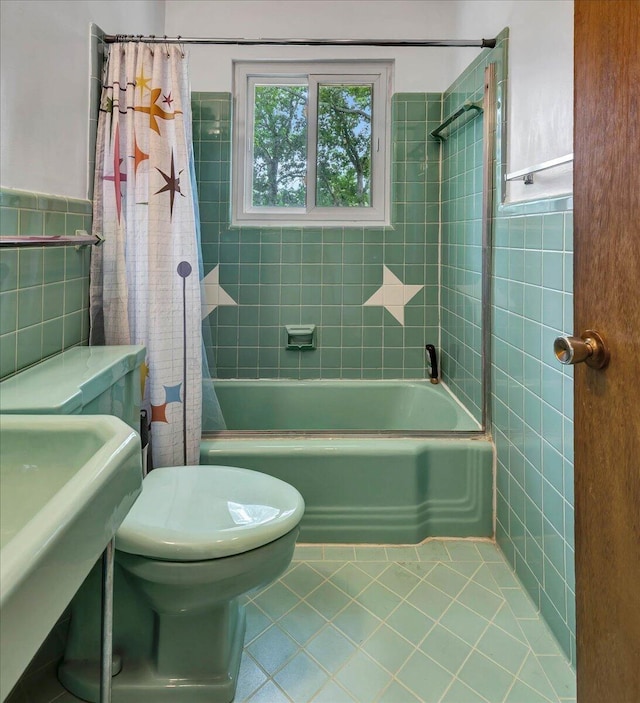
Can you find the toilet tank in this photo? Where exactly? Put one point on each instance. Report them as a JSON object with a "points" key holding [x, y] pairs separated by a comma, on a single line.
{"points": [[80, 381]]}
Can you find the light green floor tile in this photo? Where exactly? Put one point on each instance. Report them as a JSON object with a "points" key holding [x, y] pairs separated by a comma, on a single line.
{"points": [[424, 677], [269, 693], [356, 622], [503, 575], [433, 551], [559, 672], [539, 638], [333, 693], [306, 552], [373, 568], [276, 600], [302, 622], [388, 648], [371, 554], [462, 550], [273, 649], [397, 693], [399, 579], [467, 568], [363, 678], [257, 622], [447, 580], [506, 620], [302, 579], [480, 600], [484, 577], [520, 603], [301, 678], [351, 580], [388, 632], [328, 600], [485, 677], [410, 622], [490, 552], [503, 649], [465, 623], [446, 648], [330, 648], [429, 599], [379, 600], [327, 568], [340, 553], [534, 676], [521, 693], [402, 554], [461, 693], [250, 678]]}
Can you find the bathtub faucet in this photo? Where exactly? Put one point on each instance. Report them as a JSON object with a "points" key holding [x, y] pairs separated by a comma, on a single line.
{"points": [[432, 363]]}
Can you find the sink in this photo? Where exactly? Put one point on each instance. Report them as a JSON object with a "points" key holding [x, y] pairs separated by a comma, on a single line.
{"points": [[66, 484]]}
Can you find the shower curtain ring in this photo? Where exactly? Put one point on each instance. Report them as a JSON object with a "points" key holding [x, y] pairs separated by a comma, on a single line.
{"points": [[181, 45], [166, 46]]}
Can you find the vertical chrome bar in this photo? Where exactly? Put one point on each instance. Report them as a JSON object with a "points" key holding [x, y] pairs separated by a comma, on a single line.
{"points": [[106, 653], [488, 184]]}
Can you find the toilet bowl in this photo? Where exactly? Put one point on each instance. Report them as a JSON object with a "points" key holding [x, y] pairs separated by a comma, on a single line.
{"points": [[197, 540]]}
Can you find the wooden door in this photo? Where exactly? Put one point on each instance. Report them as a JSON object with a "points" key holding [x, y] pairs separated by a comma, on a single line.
{"points": [[607, 299]]}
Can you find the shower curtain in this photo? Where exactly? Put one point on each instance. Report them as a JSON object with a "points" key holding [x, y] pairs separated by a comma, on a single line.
{"points": [[145, 278]]}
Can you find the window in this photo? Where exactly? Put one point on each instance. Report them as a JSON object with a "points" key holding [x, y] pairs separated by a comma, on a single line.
{"points": [[311, 143]]}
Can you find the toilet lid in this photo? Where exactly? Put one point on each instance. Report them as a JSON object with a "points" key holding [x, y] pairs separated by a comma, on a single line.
{"points": [[191, 513]]}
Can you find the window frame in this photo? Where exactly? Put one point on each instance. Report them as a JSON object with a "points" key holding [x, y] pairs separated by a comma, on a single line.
{"points": [[248, 74]]}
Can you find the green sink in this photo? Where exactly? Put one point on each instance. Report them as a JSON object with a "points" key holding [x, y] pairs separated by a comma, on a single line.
{"points": [[66, 484]]}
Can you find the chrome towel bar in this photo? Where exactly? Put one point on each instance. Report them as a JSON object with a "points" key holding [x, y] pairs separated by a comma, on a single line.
{"points": [[526, 174], [51, 241]]}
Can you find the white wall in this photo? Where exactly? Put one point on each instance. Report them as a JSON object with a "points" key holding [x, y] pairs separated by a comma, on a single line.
{"points": [[44, 73], [540, 101], [417, 70], [45, 65]]}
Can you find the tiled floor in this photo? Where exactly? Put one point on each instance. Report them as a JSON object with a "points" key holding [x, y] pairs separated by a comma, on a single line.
{"points": [[445, 621]]}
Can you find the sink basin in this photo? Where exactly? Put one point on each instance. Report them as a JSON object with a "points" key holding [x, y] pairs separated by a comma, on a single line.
{"points": [[66, 484]]}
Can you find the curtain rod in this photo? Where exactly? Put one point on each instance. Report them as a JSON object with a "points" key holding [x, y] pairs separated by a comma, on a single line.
{"points": [[153, 39]]}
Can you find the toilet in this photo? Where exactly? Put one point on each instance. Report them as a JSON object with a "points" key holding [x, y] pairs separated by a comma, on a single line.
{"points": [[197, 540]]}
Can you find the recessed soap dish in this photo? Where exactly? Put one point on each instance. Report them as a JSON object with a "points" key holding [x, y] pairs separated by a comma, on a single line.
{"points": [[301, 337]]}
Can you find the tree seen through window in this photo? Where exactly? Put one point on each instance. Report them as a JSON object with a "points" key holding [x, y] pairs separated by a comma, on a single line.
{"points": [[342, 148]]}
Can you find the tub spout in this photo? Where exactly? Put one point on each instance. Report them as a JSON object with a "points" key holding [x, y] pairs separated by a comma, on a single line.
{"points": [[432, 363]]}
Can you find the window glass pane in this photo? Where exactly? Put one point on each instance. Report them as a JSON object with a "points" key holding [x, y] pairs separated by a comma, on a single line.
{"points": [[344, 146], [279, 146]]}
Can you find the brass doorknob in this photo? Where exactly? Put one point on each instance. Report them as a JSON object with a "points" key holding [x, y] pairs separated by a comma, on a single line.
{"points": [[588, 347]]}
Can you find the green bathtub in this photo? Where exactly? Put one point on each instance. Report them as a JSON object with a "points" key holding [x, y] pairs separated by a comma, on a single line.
{"points": [[359, 488]]}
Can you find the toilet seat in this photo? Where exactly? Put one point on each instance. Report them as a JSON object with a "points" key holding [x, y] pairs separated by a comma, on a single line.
{"points": [[195, 513]]}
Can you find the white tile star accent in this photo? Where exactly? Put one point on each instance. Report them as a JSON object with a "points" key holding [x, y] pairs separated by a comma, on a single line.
{"points": [[213, 293], [393, 294]]}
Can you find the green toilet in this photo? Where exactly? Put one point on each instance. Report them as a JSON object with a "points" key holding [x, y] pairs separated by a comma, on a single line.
{"points": [[195, 542]]}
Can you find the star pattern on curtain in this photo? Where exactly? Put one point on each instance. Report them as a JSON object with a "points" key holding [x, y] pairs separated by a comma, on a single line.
{"points": [[155, 111], [172, 184], [118, 177]]}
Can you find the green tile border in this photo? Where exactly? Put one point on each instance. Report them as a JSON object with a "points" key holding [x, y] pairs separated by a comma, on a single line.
{"points": [[42, 202], [48, 286]]}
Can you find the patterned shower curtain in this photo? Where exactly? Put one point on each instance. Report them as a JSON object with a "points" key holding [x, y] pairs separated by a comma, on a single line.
{"points": [[145, 286]]}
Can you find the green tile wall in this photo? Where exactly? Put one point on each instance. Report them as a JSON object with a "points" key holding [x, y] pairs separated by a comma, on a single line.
{"points": [[461, 193], [532, 405], [531, 395], [44, 291], [322, 276]]}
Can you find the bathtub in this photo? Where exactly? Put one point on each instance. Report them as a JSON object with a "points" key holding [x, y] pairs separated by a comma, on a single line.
{"points": [[359, 487], [284, 405]]}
